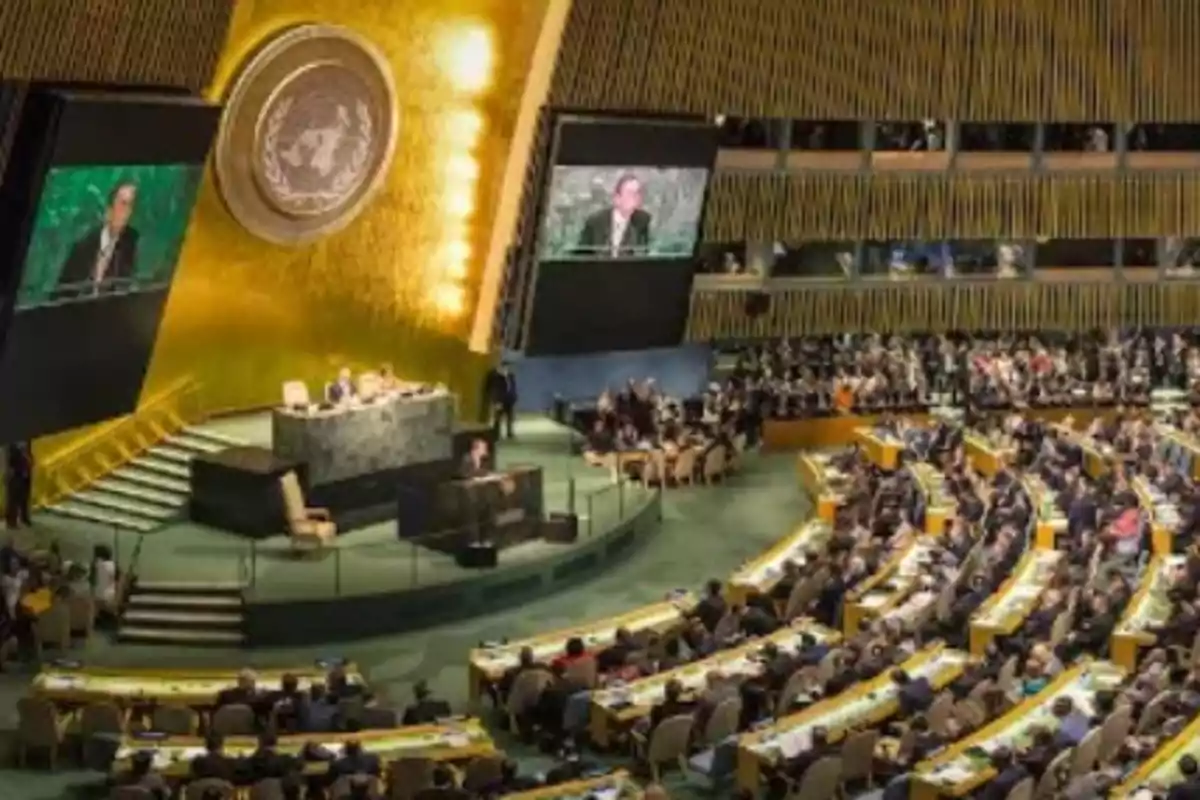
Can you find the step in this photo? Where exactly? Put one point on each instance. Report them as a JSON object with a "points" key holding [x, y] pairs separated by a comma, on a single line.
{"points": [[123, 504], [176, 455], [194, 619], [215, 437], [140, 598], [91, 513], [174, 636], [197, 588], [117, 485], [154, 480], [196, 444], [162, 467]]}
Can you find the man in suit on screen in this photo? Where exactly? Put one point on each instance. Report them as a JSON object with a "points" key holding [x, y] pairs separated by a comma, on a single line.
{"points": [[105, 253], [621, 230]]}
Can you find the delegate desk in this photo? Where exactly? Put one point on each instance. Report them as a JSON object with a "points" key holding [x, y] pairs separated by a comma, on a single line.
{"points": [[1049, 519], [940, 506], [603, 787], [1148, 608], [863, 705], [195, 688], [488, 664], [1179, 448], [1005, 612], [819, 477], [615, 710], [880, 447], [965, 766], [887, 588], [984, 456], [503, 507], [1163, 514], [449, 741], [394, 430], [761, 573], [1160, 772], [1097, 456], [822, 433]]}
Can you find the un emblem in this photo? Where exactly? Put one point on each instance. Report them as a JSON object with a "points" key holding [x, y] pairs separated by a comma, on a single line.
{"points": [[307, 134]]}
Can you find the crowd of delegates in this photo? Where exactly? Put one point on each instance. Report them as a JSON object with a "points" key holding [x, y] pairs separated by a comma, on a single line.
{"points": [[639, 418], [1075, 615], [853, 373]]}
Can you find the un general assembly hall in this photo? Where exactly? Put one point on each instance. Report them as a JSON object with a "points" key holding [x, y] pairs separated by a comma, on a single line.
{"points": [[599, 400]]}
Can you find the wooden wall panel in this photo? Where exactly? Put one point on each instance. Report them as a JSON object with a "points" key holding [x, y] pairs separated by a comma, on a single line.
{"points": [[718, 315], [832, 206], [134, 42], [1002, 60]]}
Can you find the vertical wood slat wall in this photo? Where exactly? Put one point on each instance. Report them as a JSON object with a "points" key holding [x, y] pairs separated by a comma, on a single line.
{"points": [[975, 60], [828, 206], [718, 315], [162, 43]]}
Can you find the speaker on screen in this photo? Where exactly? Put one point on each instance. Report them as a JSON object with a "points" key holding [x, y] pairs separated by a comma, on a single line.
{"points": [[100, 211]]}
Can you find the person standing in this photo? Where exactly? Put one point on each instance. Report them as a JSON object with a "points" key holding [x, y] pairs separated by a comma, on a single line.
{"points": [[18, 484], [500, 392]]}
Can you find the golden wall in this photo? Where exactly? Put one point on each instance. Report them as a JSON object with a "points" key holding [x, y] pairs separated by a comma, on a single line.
{"points": [[979, 60], [245, 315], [980, 206]]}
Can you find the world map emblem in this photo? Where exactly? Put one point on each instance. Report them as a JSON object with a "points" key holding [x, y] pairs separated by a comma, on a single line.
{"points": [[307, 135]]}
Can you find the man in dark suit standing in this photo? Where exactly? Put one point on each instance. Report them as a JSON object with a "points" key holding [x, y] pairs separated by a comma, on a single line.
{"points": [[621, 230], [105, 253], [18, 484], [500, 394]]}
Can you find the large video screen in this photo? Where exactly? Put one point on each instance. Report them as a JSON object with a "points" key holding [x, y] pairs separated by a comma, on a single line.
{"points": [[623, 212], [103, 230], [95, 202]]}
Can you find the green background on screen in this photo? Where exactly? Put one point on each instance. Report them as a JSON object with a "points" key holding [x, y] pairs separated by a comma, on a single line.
{"points": [[73, 203]]}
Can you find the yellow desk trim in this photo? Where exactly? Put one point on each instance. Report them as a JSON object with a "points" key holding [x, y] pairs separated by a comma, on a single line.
{"points": [[982, 633], [1168, 753], [615, 780]]}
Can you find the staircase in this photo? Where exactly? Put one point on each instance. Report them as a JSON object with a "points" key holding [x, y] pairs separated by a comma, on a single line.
{"points": [[148, 492], [184, 614]]}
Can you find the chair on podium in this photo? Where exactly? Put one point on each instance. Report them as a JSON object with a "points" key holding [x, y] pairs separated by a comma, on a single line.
{"points": [[310, 528]]}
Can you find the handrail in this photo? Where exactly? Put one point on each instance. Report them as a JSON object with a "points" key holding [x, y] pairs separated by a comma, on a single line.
{"points": [[131, 570]]}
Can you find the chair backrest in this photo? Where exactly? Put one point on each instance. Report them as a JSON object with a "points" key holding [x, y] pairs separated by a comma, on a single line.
{"points": [[482, 772], [858, 754], [583, 672], [714, 461], [36, 721], [727, 627], [1060, 628], [54, 625], [81, 610], [175, 720], [821, 780], [1022, 791], [1047, 785], [233, 720], [1154, 712], [1113, 731], [526, 690], [407, 776], [131, 793], [268, 789], [295, 393], [1084, 757], [797, 684], [723, 722], [196, 790], [102, 717], [293, 496], [670, 739], [685, 464]]}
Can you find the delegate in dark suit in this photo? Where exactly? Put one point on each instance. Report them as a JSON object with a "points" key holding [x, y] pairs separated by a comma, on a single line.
{"points": [[500, 396], [18, 484], [79, 268], [596, 238]]}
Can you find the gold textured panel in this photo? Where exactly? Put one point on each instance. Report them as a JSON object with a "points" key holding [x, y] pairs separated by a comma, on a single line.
{"points": [[826, 206], [142, 42], [245, 315], [1003, 60], [812, 310]]}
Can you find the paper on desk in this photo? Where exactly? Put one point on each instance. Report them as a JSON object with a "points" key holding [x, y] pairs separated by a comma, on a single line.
{"points": [[954, 772], [873, 601]]}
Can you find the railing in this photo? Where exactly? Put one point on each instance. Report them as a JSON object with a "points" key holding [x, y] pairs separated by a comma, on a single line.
{"points": [[113, 444], [381, 562]]}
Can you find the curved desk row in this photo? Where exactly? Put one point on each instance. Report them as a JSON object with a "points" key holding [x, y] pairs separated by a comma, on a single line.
{"points": [[818, 476], [616, 709], [879, 446], [1049, 520], [488, 664], [1147, 609], [965, 766], [762, 573], [1162, 513], [454, 741], [196, 688], [1161, 771], [604, 787], [887, 587], [940, 507], [866, 704], [1006, 610], [985, 456]]}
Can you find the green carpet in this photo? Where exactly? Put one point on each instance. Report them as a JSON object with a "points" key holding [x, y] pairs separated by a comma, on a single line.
{"points": [[706, 532]]}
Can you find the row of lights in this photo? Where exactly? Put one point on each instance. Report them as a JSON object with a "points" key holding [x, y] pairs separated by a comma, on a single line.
{"points": [[465, 59]]}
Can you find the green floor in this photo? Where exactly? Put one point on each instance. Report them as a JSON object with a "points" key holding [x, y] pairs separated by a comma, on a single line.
{"points": [[707, 531]]}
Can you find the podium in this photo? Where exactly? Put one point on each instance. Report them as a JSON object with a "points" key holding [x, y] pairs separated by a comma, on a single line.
{"points": [[502, 509]]}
